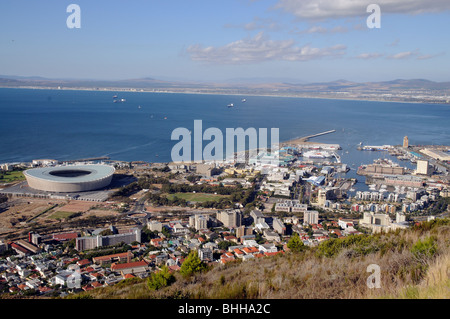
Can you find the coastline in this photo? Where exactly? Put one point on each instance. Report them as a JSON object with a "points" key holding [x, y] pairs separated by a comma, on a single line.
{"points": [[282, 95]]}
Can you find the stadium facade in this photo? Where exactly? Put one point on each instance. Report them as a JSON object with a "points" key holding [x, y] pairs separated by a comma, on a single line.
{"points": [[70, 179]]}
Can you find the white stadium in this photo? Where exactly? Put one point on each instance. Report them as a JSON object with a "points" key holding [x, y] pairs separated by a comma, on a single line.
{"points": [[70, 179]]}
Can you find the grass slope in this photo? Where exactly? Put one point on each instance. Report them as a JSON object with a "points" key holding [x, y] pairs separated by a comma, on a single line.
{"points": [[414, 263]]}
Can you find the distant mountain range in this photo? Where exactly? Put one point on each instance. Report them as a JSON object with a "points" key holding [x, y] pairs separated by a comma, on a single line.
{"points": [[415, 90]]}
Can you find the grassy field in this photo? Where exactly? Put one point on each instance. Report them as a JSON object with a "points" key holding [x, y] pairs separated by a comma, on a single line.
{"points": [[196, 197], [9, 177], [61, 215]]}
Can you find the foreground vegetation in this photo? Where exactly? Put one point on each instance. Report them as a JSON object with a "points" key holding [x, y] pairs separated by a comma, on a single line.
{"points": [[414, 263]]}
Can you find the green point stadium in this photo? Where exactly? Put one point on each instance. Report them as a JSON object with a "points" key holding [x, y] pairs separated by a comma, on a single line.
{"points": [[70, 179]]}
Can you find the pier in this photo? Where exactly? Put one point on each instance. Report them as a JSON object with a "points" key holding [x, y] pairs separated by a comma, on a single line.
{"points": [[304, 140], [318, 134]]}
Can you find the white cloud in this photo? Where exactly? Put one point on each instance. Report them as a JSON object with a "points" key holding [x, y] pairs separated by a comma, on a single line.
{"points": [[323, 30], [429, 56], [333, 9], [367, 56], [403, 55], [260, 48]]}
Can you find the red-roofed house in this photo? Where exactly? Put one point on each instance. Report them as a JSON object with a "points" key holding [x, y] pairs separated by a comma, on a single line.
{"points": [[231, 238], [21, 251], [250, 250], [83, 262], [238, 253], [156, 241], [128, 276], [227, 257], [96, 284], [89, 269], [45, 289], [87, 287], [23, 287], [174, 268], [13, 289], [64, 236], [121, 257], [130, 268], [226, 260]]}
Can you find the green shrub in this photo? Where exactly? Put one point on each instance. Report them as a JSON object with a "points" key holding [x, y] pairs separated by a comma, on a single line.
{"points": [[295, 244], [192, 264], [424, 249], [160, 279]]}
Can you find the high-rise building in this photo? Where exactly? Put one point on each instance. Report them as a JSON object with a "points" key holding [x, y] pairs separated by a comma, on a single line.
{"points": [[230, 218], [311, 217], [422, 167], [242, 231], [205, 254], [257, 216], [405, 142], [198, 221], [279, 226], [321, 197]]}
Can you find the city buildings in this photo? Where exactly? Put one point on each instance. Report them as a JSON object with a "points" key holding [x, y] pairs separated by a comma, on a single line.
{"points": [[91, 242], [311, 217], [423, 168], [230, 218], [405, 142], [198, 222]]}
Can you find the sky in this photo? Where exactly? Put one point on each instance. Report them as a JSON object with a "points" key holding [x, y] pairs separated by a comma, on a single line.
{"points": [[221, 41]]}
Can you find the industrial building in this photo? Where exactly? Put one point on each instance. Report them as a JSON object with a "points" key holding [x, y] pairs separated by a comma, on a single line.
{"points": [[92, 242], [436, 154]]}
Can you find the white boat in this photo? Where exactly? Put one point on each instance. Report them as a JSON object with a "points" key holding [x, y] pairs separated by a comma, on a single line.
{"points": [[243, 100], [316, 154], [230, 105]]}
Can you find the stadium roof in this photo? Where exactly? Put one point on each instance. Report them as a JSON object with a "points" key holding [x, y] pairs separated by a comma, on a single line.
{"points": [[72, 173]]}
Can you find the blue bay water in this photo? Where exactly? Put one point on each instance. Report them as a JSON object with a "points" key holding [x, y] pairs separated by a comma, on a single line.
{"points": [[64, 125]]}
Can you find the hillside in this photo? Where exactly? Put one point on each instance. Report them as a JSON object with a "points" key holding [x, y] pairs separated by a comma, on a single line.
{"points": [[414, 263]]}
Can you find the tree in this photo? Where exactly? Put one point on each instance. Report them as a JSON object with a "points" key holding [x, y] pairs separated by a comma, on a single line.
{"points": [[295, 244], [192, 264], [160, 279], [224, 245]]}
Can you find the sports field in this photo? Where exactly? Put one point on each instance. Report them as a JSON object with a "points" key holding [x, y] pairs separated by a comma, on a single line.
{"points": [[197, 197]]}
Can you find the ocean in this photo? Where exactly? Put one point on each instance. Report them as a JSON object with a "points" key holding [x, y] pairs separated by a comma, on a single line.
{"points": [[70, 124]]}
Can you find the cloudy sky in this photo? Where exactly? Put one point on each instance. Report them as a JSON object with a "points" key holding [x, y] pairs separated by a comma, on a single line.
{"points": [[208, 40]]}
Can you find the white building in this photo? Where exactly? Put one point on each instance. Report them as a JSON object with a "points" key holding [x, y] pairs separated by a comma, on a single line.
{"points": [[311, 217]]}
